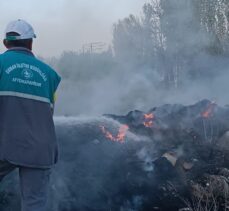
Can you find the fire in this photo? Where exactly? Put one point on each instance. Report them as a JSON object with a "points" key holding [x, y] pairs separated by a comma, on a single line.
{"points": [[148, 120], [149, 116], [120, 137], [209, 111], [148, 124]]}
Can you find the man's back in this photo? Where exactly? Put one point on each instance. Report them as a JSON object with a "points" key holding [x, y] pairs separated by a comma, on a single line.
{"points": [[27, 87], [27, 134]]}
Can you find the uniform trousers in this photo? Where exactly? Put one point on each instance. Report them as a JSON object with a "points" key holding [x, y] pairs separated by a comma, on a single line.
{"points": [[34, 185]]}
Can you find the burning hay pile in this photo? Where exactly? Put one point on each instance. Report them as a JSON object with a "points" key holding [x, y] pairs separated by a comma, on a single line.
{"points": [[192, 154], [173, 157]]}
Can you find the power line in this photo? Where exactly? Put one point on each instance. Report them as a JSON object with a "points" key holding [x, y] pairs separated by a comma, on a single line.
{"points": [[94, 47]]}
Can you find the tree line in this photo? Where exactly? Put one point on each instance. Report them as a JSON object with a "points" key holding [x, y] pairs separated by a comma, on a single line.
{"points": [[177, 40]]}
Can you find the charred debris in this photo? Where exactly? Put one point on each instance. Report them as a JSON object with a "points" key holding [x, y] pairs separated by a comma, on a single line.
{"points": [[191, 155]]}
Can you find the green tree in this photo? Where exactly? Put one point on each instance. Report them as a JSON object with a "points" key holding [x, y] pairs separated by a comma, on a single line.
{"points": [[128, 39]]}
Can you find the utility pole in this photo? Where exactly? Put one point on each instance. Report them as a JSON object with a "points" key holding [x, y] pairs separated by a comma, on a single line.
{"points": [[94, 47]]}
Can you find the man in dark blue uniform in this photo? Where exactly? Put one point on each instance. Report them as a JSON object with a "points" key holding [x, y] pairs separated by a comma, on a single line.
{"points": [[27, 133]]}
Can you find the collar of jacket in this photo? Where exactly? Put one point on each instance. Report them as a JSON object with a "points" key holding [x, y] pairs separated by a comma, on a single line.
{"points": [[22, 50]]}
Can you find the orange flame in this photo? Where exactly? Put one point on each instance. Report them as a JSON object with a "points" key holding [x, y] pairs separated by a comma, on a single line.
{"points": [[148, 120], [149, 116], [148, 124], [120, 136], [209, 111]]}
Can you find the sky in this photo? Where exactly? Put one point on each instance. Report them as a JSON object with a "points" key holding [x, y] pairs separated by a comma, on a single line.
{"points": [[66, 25]]}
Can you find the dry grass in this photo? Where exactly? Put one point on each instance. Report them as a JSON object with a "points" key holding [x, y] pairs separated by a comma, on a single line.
{"points": [[212, 196]]}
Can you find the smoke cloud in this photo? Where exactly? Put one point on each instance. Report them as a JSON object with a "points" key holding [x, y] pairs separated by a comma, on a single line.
{"points": [[132, 78]]}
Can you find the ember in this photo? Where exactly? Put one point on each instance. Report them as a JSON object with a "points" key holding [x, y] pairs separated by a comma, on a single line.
{"points": [[209, 111], [120, 137], [148, 120]]}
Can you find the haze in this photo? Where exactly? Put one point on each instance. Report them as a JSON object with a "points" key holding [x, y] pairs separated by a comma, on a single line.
{"points": [[63, 25]]}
